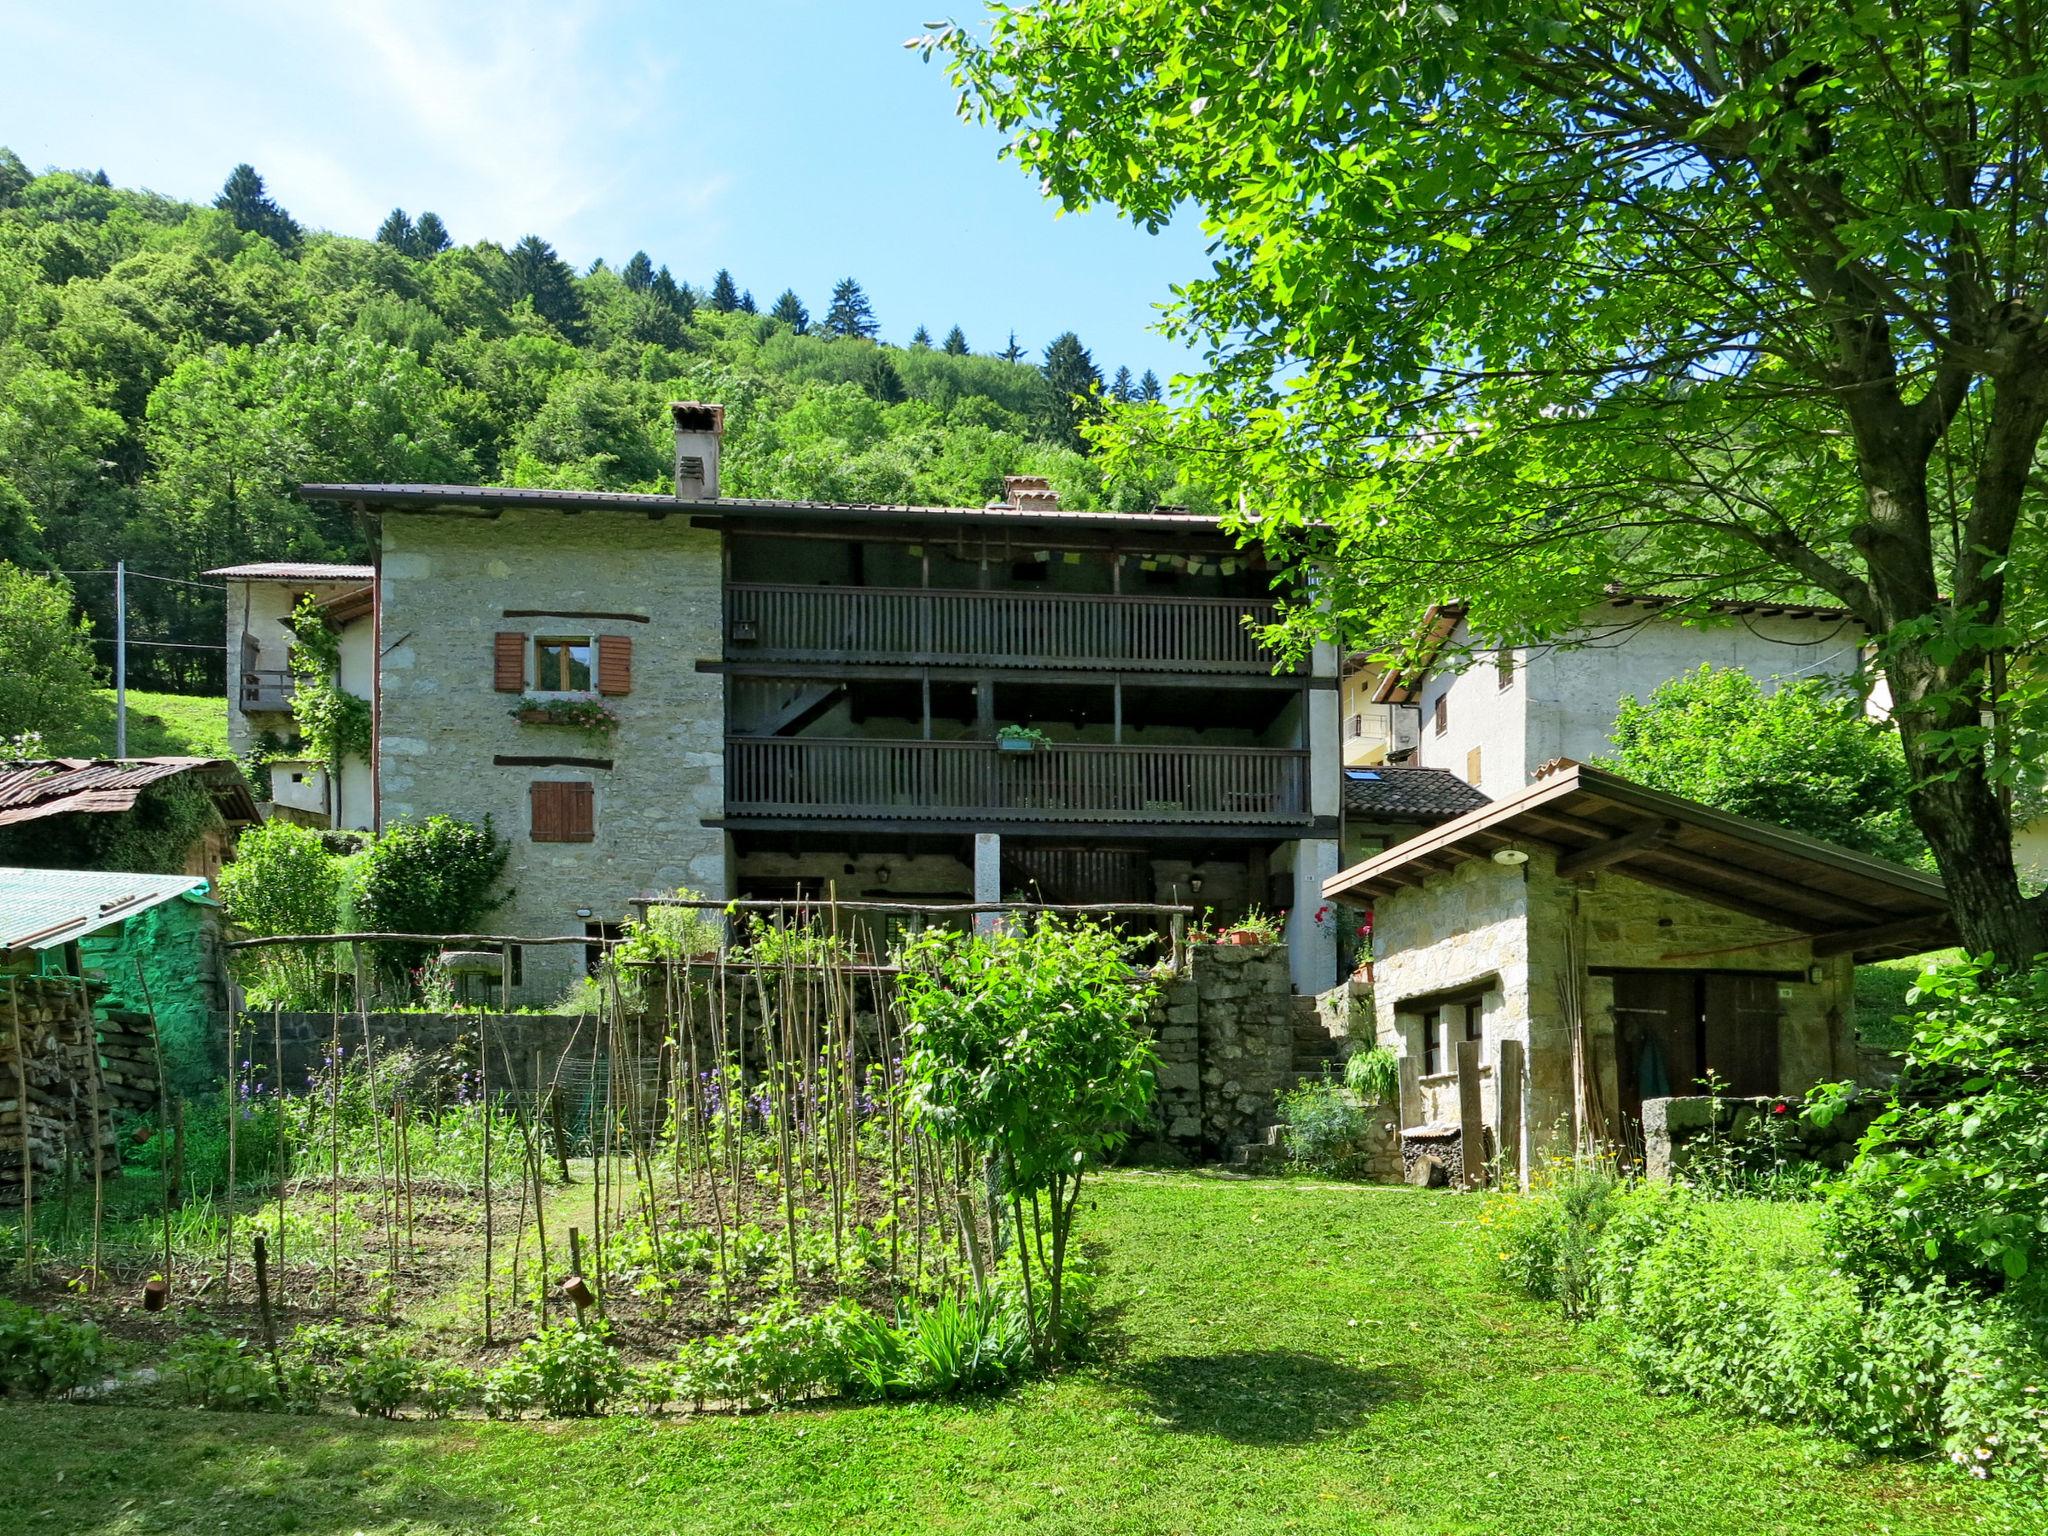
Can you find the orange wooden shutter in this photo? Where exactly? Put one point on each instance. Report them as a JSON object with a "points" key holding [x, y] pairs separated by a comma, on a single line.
{"points": [[563, 812], [508, 657], [614, 664]]}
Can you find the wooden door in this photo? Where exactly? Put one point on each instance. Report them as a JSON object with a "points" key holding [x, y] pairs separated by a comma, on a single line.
{"points": [[1741, 1033], [1656, 1038]]}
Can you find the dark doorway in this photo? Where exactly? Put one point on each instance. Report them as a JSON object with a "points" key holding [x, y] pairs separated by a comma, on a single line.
{"points": [[1671, 1028]]}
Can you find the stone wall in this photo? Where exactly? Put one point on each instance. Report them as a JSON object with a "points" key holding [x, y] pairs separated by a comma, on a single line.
{"points": [[452, 583], [1673, 1129]]}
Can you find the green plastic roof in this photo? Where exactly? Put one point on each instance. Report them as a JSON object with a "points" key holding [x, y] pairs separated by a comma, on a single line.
{"points": [[43, 908]]}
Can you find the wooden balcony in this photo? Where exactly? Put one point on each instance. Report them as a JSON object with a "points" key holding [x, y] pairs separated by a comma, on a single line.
{"points": [[974, 780], [918, 627], [266, 692]]}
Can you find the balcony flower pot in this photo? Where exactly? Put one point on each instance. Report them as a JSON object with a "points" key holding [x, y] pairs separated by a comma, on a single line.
{"points": [[1022, 738], [1241, 938], [1015, 744]]}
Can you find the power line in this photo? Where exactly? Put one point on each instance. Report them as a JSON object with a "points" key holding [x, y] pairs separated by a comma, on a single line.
{"points": [[174, 581], [162, 645]]}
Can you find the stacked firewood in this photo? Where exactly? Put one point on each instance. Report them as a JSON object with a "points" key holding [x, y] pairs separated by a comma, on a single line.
{"points": [[47, 1087]]}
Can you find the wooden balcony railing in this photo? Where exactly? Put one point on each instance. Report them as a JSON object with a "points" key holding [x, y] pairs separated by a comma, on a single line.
{"points": [[963, 780], [919, 627], [266, 692]]}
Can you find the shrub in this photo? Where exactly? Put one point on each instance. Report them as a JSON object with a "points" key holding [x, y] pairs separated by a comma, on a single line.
{"points": [[1374, 1075], [442, 1386], [212, 1370], [512, 1388], [1547, 1240], [1323, 1127], [575, 1370], [44, 1355], [380, 1380], [435, 877], [1952, 1178]]}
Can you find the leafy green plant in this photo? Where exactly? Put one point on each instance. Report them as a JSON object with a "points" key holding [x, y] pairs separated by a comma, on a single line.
{"points": [[1323, 1127], [380, 1379], [1029, 734], [437, 876], [512, 1388], [575, 1370], [1547, 1240], [444, 1387], [1953, 1177], [333, 724], [212, 1370], [592, 717], [1026, 1043], [284, 880], [45, 1355], [1374, 1075], [1260, 924]]}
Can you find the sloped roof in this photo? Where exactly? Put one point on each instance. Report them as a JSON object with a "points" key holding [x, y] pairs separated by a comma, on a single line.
{"points": [[1397, 792], [42, 908], [1849, 903], [293, 570], [345, 608], [62, 786]]}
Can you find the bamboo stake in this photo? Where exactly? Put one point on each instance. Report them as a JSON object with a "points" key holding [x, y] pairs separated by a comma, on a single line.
{"points": [[234, 1114], [28, 1156], [163, 1104], [99, 1147], [283, 1146]]}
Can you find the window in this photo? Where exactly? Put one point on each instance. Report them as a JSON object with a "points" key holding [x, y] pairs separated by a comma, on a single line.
{"points": [[1442, 714], [563, 811], [1444, 1025], [1504, 670], [1358, 725], [561, 664]]}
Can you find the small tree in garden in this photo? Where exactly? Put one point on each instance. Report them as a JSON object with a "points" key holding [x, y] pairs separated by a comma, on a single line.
{"points": [[1026, 1044], [284, 880], [436, 876]]}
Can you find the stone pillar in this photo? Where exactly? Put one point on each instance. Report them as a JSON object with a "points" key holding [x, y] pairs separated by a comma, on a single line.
{"points": [[1312, 945], [988, 876]]}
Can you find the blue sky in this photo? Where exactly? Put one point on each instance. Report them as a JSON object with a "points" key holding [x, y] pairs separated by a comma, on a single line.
{"points": [[795, 143]]}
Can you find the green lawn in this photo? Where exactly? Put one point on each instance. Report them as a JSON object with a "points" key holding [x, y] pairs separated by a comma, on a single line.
{"points": [[1289, 1357], [159, 725]]}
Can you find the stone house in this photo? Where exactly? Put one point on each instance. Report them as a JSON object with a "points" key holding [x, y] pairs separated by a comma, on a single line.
{"points": [[1587, 944], [780, 699], [262, 598], [1492, 714]]}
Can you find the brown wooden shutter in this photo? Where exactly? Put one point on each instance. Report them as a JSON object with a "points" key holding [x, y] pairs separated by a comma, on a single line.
{"points": [[1472, 767], [508, 658], [614, 664], [563, 812]]}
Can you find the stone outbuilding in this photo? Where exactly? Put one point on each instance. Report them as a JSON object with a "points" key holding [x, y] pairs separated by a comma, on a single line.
{"points": [[1587, 944]]}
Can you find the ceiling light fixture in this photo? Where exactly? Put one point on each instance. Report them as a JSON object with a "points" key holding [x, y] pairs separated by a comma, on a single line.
{"points": [[1510, 856]]}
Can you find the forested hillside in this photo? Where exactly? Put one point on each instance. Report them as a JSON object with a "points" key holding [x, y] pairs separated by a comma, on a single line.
{"points": [[168, 371]]}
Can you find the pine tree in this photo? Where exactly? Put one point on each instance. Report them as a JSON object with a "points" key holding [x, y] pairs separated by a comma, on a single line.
{"points": [[746, 304], [100, 178], [242, 198], [725, 293], [956, 343], [1012, 353], [1073, 390], [1148, 388], [850, 314], [667, 291], [396, 231], [638, 272], [429, 237], [921, 338], [1121, 389], [537, 273], [878, 376], [789, 309]]}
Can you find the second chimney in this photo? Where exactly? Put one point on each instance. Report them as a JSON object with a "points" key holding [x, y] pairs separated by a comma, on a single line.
{"points": [[700, 432]]}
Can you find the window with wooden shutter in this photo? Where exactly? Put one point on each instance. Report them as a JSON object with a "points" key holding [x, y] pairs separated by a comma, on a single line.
{"points": [[563, 812], [1472, 767], [1442, 713], [614, 664], [508, 663]]}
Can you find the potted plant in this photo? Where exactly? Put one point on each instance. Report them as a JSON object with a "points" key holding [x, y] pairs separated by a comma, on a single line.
{"points": [[591, 716], [1255, 927], [1022, 738]]}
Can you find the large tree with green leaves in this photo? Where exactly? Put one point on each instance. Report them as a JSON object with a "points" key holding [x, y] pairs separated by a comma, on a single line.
{"points": [[243, 199], [850, 313], [1525, 299], [46, 688], [536, 273]]}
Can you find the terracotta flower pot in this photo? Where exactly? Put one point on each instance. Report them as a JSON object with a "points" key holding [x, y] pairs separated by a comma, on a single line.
{"points": [[577, 1289], [1241, 938]]}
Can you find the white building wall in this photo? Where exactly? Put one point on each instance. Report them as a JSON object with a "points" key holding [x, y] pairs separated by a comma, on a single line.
{"points": [[1479, 716], [259, 638]]}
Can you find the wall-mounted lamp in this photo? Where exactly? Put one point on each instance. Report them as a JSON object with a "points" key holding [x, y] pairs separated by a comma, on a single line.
{"points": [[1195, 884], [882, 874], [1510, 856], [584, 912]]}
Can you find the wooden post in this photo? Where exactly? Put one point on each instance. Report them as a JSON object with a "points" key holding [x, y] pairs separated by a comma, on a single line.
{"points": [[1408, 1101], [263, 1309], [1507, 1083], [1471, 1116]]}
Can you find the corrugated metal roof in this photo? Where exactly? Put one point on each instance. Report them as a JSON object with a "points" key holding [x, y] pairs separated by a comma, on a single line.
{"points": [[292, 570], [400, 498], [61, 786], [42, 908]]}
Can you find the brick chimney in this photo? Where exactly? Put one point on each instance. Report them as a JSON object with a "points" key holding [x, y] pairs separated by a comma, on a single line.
{"points": [[700, 433]]}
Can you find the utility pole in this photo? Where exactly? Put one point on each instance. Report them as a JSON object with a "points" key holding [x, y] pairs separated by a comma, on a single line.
{"points": [[120, 658]]}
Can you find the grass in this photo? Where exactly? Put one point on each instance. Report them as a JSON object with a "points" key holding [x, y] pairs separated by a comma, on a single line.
{"points": [[1288, 1357], [159, 725], [1881, 988]]}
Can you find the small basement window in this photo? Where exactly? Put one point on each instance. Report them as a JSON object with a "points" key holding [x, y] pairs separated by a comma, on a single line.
{"points": [[1462, 1018], [561, 664]]}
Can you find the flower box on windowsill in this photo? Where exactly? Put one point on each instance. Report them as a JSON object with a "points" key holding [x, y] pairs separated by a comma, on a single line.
{"points": [[586, 715]]}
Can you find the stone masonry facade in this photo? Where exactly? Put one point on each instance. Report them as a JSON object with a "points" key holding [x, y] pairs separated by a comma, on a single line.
{"points": [[448, 741]]}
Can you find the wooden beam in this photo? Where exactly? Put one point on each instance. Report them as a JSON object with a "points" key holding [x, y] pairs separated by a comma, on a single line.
{"points": [[1616, 849], [1849, 940]]}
